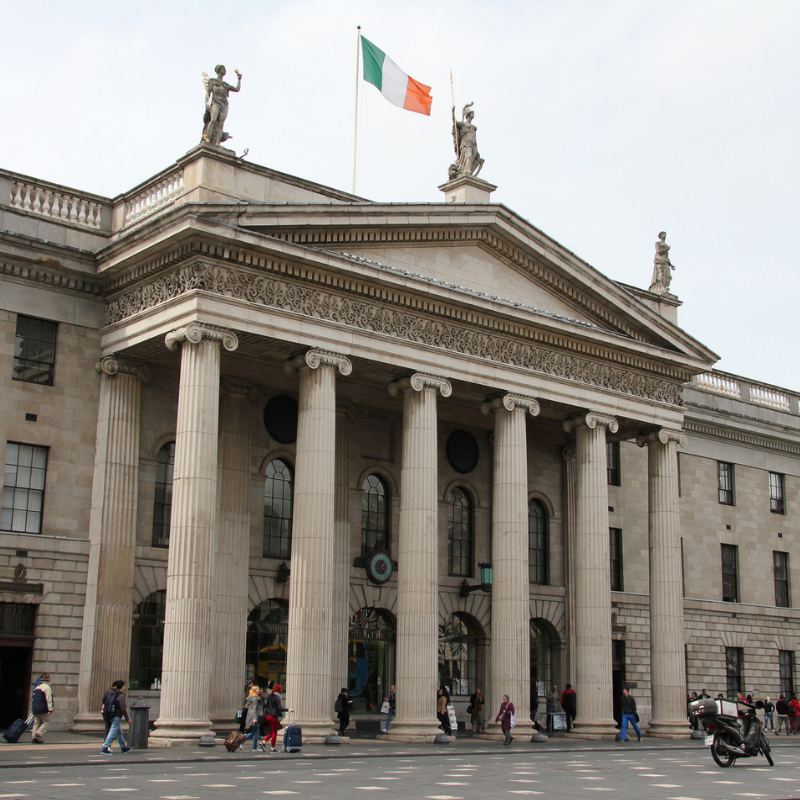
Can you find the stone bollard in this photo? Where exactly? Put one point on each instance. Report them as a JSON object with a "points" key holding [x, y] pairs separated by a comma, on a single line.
{"points": [[140, 725]]}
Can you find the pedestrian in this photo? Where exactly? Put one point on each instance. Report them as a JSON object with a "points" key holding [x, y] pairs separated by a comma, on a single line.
{"points": [[794, 715], [507, 718], [693, 720], [629, 715], [41, 707], [342, 708], [441, 711], [273, 712], [551, 705], [782, 710], [106, 708], [769, 708], [255, 715], [569, 702], [392, 701], [476, 713], [117, 708]]}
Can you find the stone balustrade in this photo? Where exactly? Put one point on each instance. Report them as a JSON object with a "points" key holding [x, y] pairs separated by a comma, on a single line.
{"points": [[153, 197], [55, 203], [723, 383]]}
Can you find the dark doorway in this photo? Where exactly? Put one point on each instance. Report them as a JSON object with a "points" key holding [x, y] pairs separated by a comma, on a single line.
{"points": [[15, 680], [617, 677]]}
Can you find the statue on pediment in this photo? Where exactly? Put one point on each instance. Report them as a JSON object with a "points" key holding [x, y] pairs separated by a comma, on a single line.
{"points": [[465, 139], [217, 91], [662, 267]]}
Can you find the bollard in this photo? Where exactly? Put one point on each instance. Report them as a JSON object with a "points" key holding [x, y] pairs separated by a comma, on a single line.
{"points": [[140, 724]]}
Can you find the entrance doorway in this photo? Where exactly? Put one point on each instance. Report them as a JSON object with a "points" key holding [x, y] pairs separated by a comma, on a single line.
{"points": [[17, 626], [617, 677], [371, 658]]}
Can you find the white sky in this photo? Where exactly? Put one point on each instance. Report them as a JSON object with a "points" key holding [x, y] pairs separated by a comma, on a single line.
{"points": [[601, 122]]}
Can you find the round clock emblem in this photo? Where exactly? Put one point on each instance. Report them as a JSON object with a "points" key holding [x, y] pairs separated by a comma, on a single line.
{"points": [[379, 567]]}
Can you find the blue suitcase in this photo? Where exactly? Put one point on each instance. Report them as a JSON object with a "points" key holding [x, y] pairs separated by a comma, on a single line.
{"points": [[15, 731], [293, 739]]}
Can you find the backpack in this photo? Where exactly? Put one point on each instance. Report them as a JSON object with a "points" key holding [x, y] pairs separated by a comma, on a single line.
{"points": [[39, 702], [110, 705]]}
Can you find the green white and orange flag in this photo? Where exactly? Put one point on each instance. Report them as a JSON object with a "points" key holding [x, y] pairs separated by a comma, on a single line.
{"points": [[393, 83]]}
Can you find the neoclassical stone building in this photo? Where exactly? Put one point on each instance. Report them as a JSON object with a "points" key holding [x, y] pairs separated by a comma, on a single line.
{"points": [[258, 427]]}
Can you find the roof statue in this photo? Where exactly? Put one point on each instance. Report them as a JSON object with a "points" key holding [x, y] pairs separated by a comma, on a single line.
{"points": [[662, 267], [217, 105], [468, 160]]}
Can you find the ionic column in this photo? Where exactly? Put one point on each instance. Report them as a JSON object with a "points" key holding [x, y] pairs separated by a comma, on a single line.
{"points": [[570, 514], [106, 640], [231, 550], [667, 665], [186, 666], [417, 575], [510, 654], [308, 657], [592, 578]]}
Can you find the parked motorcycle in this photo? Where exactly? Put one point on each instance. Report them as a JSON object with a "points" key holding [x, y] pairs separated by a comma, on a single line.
{"points": [[729, 737]]}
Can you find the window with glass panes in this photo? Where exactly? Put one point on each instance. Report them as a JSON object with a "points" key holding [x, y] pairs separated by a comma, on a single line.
{"points": [[734, 662], [374, 515], [459, 533], [162, 499], [537, 542], [23, 488], [615, 541], [612, 464], [147, 641], [781, 571], [725, 483], [730, 573], [278, 510], [776, 493], [34, 350], [786, 668]]}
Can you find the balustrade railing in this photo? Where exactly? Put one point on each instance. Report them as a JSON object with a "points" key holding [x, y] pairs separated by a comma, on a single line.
{"points": [[719, 384], [742, 389], [153, 197], [766, 396], [55, 203]]}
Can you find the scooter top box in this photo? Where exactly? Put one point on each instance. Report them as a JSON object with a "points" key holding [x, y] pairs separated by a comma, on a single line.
{"points": [[708, 707]]}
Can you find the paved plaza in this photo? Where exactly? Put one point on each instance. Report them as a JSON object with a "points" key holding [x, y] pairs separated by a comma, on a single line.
{"points": [[70, 767]]}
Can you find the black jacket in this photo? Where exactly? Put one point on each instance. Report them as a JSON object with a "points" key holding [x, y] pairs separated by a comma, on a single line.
{"points": [[628, 705]]}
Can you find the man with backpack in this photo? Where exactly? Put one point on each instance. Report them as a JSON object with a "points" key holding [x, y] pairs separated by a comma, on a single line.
{"points": [[41, 707], [115, 709]]}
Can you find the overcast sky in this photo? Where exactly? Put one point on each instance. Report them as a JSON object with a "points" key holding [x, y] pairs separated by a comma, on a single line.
{"points": [[602, 123]]}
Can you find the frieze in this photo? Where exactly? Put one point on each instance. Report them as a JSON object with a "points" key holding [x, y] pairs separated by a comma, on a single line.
{"points": [[399, 324]]}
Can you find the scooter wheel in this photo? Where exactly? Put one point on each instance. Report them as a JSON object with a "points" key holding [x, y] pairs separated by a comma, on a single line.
{"points": [[724, 759]]}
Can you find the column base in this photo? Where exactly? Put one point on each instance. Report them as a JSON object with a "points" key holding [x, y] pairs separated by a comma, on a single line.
{"points": [[669, 729], [594, 729], [179, 731], [414, 730], [88, 723]]}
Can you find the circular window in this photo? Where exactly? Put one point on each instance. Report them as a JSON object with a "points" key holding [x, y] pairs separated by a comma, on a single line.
{"points": [[280, 419], [462, 451]]}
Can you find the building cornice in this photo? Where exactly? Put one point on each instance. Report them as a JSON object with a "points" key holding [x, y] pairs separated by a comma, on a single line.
{"points": [[52, 276], [740, 437]]}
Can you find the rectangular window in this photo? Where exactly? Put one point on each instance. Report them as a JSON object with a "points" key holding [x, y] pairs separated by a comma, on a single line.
{"points": [[725, 482], [786, 666], [730, 573], [776, 493], [23, 488], [734, 661], [615, 538], [34, 350], [612, 463], [781, 570]]}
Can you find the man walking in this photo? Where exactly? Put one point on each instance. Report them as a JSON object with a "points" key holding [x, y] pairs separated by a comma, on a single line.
{"points": [[117, 709], [782, 709], [628, 715], [41, 708], [570, 705]]}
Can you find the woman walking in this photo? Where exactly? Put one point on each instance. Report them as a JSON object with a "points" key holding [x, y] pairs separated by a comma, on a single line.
{"points": [[273, 712], [476, 713], [504, 717], [255, 711]]}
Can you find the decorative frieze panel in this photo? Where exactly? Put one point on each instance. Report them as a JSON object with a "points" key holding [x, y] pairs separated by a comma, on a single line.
{"points": [[399, 324]]}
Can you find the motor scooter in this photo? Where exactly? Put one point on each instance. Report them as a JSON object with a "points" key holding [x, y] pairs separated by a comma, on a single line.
{"points": [[727, 736]]}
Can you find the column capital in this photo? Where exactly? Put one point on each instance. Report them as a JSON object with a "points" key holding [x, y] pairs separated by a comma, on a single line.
{"points": [[316, 358], [111, 365], [591, 420], [568, 454], [510, 402], [419, 381], [237, 386], [662, 435], [194, 333]]}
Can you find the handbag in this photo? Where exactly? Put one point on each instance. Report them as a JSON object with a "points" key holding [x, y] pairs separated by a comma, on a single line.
{"points": [[385, 707], [513, 720], [239, 715], [636, 717]]}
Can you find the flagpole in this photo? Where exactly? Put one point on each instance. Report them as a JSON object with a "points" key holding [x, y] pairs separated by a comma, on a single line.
{"points": [[355, 118]]}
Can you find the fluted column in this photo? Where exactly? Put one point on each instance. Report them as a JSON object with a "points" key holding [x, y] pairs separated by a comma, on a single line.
{"points": [[570, 514], [417, 575], [106, 638], [667, 664], [186, 666], [308, 652], [510, 653], [231, 550], [592, 578]]}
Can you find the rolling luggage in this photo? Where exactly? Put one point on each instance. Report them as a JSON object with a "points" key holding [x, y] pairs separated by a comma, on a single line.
{"points": [[233, 741], [18, 727], [293, 739]]}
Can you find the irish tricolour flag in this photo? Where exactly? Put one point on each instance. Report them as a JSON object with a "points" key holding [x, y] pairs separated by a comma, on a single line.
{"points": [[394, 84]]}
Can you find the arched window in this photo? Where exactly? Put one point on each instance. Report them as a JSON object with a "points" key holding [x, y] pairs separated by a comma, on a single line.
{"points": [[162, 502], [459, 533], [147, 641], [267, 634], [537, 542], [374, 515], [458, 656], [278, 504]]}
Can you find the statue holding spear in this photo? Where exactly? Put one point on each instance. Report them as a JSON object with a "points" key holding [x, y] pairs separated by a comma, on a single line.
{"points": [[468, 160]]}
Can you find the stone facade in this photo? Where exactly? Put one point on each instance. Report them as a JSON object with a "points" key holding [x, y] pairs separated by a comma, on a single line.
{"points": [[467, 365]]}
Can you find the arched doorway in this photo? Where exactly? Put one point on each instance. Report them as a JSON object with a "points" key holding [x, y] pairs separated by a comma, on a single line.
{"points": [[267, 632], [371, 658], [459, 640]]}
